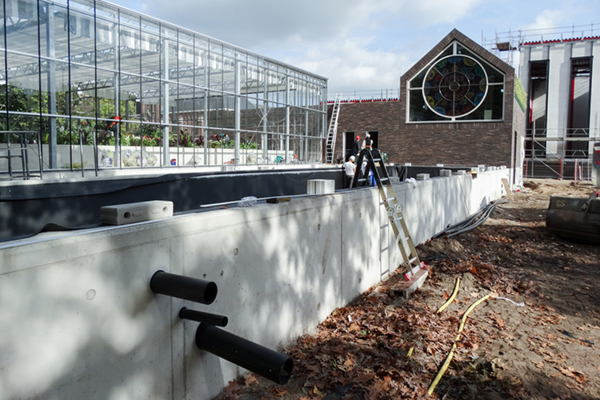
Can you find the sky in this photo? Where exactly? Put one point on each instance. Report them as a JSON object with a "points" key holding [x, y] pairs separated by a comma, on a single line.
{"points": [[364, 46]]}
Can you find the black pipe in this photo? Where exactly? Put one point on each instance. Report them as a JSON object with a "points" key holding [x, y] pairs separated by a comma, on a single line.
{"points": [[199, 316], [254, 357], [183, 287]]}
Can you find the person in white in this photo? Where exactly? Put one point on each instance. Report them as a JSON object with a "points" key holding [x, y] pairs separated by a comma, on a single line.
{"points": [[350, 170]]}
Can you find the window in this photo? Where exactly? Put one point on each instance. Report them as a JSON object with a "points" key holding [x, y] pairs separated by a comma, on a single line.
{"points": [[457, 86]]}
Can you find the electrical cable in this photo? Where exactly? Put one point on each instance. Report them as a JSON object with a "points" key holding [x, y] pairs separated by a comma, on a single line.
{"points": [[472, 221]]}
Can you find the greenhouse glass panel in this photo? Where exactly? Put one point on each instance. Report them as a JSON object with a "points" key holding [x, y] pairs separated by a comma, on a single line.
{"points": [[83, 91], [81, 37], [151, 49], [21, 19], [186, 60], [112, 77]]}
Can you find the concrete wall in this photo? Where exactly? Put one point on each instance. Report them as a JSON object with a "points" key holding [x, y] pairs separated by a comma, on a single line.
{"points": [[79, 321]]}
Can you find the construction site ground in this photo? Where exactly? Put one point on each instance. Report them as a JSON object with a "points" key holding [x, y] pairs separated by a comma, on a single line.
{"points": [[546, 348]]}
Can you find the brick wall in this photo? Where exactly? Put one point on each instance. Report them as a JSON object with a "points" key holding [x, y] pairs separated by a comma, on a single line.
{"points": [[474, 143], [461, 143]]}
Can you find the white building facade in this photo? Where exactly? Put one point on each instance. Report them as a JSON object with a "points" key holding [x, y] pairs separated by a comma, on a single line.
{"points": [[563, 115]]}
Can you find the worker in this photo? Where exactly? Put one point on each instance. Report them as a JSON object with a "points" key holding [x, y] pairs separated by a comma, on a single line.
{"points": [[368, 141], [350, 171], [356, 146]]}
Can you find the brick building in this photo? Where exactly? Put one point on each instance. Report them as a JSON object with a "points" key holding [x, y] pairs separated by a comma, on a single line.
{"points": [[457, 106]]}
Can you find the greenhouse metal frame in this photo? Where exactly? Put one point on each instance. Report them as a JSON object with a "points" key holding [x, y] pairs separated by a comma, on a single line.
{"points": [[107, 87]]}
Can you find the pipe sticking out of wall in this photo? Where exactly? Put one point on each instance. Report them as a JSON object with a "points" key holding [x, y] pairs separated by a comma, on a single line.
{"points": [[183, 287], [254, 357], [207, 318]]}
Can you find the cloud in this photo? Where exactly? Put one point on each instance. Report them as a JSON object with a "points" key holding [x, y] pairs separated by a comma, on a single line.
{"points": [[265, 23], [350, 66], [546, 20], [262, 23], [433, 12], [358, 44]]}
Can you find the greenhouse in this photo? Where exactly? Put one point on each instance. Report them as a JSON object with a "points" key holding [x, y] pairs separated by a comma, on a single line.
{"points": [[88, 86]]}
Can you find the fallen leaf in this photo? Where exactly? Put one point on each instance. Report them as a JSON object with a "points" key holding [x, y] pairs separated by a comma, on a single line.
{"points": [[277, 391], [250, 380], [381, 386], [552, 360], [539, 364], [233, 386], [572, 373], [499, 322], [365, 377]]}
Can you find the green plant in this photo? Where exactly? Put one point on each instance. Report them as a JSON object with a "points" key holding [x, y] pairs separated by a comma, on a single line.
{"points": [[250, 145]]}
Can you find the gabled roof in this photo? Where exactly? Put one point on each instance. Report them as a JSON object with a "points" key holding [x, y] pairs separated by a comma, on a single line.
{"points": [[456, 35]]}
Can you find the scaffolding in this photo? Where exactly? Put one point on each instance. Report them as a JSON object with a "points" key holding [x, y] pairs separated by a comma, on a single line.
{"points": [[505, 45], [548, 155]]}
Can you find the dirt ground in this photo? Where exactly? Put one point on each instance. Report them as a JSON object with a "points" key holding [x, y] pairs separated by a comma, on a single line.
{"points": [[384, 347]]}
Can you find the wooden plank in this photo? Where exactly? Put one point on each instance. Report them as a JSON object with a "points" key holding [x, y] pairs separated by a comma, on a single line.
{"points": [[408, 288], [508, 193]]}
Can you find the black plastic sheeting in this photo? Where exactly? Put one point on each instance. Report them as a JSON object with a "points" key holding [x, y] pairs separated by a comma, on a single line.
{"points": [[27, 209]]}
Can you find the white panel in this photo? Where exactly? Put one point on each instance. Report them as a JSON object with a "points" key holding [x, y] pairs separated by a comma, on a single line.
{"points": [[559, 89], [581, 49], [595, 91], [320, 186], [538, 53], [525, 58]]}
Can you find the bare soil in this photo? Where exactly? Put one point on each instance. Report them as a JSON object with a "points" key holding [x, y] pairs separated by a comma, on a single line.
{"points": [[382, 346]]}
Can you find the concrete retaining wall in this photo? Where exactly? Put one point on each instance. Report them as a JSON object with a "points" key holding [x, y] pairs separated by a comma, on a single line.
{"points": [[79, 321]]}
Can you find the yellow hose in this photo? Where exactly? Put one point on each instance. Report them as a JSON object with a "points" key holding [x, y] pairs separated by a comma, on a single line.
{"points": [[451, 354], [464, 317], [442, 370], [451, 299]]}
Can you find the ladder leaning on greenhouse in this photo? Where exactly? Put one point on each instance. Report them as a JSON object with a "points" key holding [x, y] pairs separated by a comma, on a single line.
{"points": [[332, 131]]}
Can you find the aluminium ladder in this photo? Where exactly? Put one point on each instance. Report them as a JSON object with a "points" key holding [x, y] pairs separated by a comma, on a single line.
{"points": [[376, 165], [332, 131]]}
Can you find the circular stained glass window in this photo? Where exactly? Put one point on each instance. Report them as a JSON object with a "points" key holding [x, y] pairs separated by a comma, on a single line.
{"points": [[455, 86]]}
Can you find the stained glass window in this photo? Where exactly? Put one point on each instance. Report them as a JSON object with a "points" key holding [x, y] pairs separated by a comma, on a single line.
{"points": [[456, 86]]}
